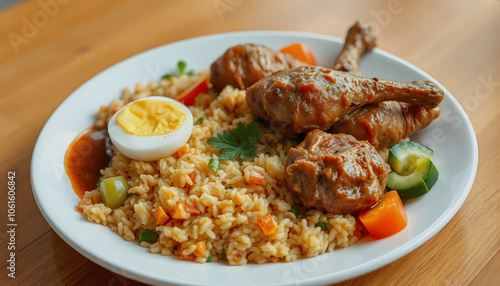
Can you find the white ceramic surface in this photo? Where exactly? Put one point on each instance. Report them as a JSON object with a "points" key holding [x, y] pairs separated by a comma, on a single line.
{"points": [[449, 135]]}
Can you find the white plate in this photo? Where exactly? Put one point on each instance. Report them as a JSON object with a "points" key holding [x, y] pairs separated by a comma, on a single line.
{"points": [[449, 135]]}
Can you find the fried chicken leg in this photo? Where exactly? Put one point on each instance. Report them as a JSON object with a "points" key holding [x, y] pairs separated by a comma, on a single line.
{"points": [[359, 40], [385, 123], [305, 98], [382, 124]]}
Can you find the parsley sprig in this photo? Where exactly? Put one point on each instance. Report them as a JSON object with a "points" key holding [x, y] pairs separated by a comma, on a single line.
{"points": [[239, 142], [181, 66]]}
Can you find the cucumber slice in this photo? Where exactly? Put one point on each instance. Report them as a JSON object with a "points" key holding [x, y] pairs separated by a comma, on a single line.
{"points": [[403, 156], [417, 183]]}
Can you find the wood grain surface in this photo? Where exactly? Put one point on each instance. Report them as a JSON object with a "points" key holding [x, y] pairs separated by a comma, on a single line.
{"points": [[48, 48]]}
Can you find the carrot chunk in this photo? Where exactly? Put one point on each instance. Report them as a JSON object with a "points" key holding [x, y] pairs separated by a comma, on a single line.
{"points": [[180, 211], [301, 52], [267, 224], [191, 206], [83, 203], [181, 152], [386, 218], [255, 177], [201, 247], [236, 256], [192, 176], [189, 257], [161, 217]]}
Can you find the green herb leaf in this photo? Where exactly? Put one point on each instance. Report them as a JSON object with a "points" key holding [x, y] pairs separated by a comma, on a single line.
{"points": [[167, 76], [181, 65], [239, 142], [199, 121], [323, 225], [294, 211], [224, 254], [209, 258]]}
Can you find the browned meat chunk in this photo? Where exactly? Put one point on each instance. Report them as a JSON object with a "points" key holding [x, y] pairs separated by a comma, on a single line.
{"points": [[336, 173], [243, 65], [306, 98], [359, 40], [386, 123]]}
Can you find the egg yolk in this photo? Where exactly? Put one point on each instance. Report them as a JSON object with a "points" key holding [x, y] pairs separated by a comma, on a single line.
{"points": [[151, 117]]}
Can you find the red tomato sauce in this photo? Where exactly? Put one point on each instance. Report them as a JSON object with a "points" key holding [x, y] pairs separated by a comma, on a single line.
{"points": [[84, 159]]}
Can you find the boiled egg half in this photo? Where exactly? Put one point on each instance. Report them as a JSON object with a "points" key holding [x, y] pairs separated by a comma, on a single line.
{"points": [[151, 128]]}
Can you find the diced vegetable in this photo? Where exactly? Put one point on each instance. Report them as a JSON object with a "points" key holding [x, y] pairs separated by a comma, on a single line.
{"points": [[386, 218], [148, 236], [201, 247], [213, 165], [417, 183], [301, 52], [188, 96], [255, 177], [83, 203], [161, 217], [181, 151], [185, 208], [403, 156], [209, 258], [114, 191], [267, 224], [191, 206], [189, 257], [192, 176], [236, 255], [323, 225], [224, 256], [180, 211], [294, 211], [414, 173]]}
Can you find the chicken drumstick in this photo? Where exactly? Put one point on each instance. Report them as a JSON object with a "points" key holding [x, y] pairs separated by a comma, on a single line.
{"points": [[385, 123], [359, 40], [309, 97]]}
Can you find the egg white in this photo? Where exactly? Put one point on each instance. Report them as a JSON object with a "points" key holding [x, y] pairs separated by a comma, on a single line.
{"points": [[150, 148]]}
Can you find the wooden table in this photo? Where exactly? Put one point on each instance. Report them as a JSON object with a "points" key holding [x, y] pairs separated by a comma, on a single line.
{"points": [[50, 47]]}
